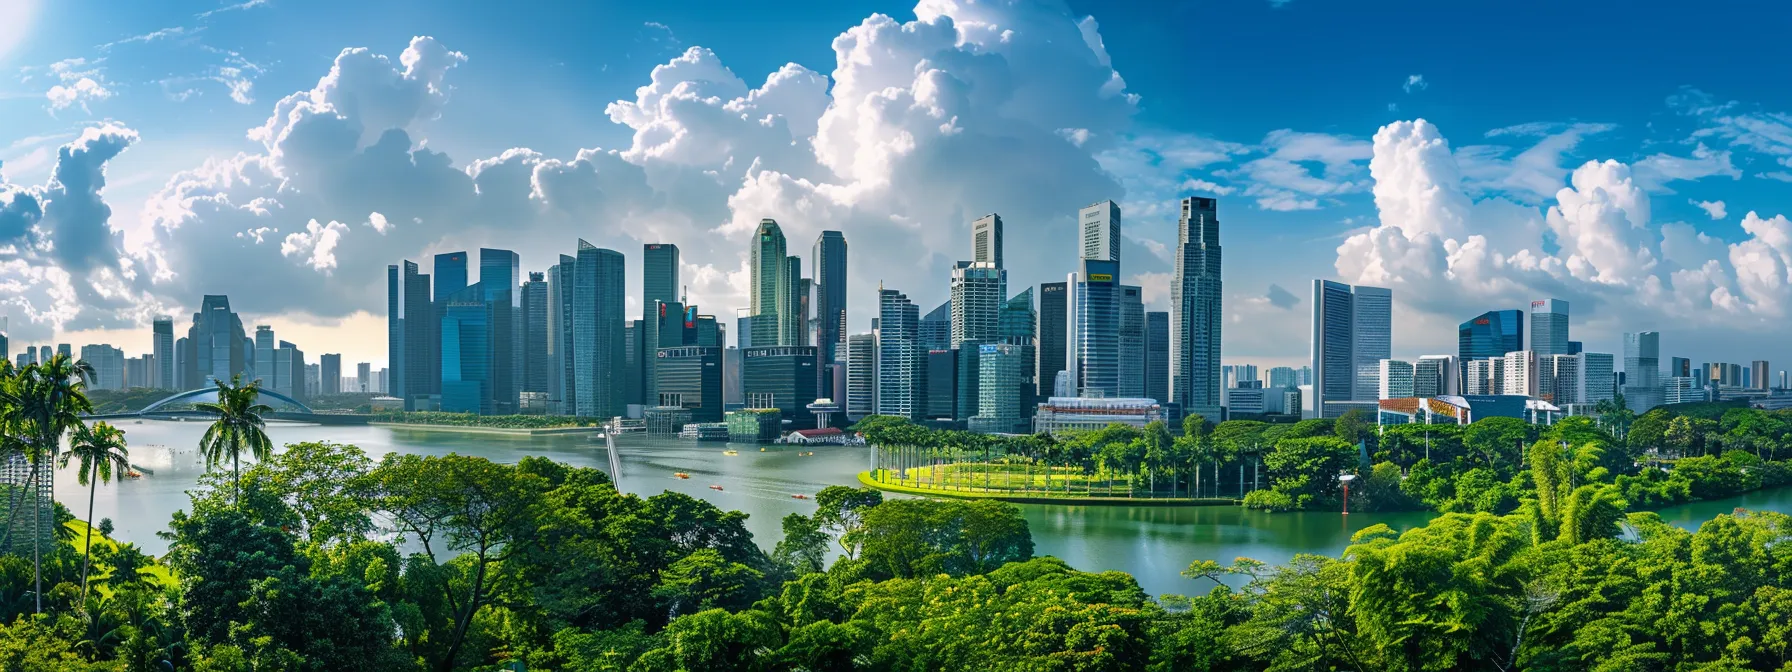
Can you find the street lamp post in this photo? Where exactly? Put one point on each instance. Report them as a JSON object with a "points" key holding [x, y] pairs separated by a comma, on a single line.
{"points": [[1346, 479]]}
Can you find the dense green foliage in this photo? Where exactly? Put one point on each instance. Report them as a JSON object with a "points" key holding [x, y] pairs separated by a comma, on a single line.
{"points": [[476, 420]]}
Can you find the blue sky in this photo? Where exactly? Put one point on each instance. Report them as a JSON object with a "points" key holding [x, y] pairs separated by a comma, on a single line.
{"points": [[1302, 116]]}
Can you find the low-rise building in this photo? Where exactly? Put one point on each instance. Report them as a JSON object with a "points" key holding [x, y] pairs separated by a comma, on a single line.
{"points": [[1058, 415]]}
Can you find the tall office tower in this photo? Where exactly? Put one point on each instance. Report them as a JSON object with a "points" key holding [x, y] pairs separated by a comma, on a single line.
{"points": [[1642, 371], [690, 377], [1132, 375], [901, 372], [263, 365], [829, 258], [537, 356], [599, 288], [793, 318], [422, 371], [560, 320], [1284, 376], [215, 343], [942, 386], [1396, 379], [986, 239], [978, 290], [501, 276], [732, 395], [1196, 310], [769, 287], [1054, 331], [1490, 334], [1434, 375], [659, 275], [664, 327], [1679, 367], [289, 363], [1561, 380], [162, 346], [1758, 374], [44, 353], [1549, 327], [1519, 372], [65, 350], [108, 366], [1003, 390], [1094, 360], [1372, 336], [805, 309], [1575, 347], [1099, 233], [329, 373], [861, 376], [743, 330], [467, 362], [1597, 377], [1019, 327], [1478, 376], [394, 331], [1333, 352], [936, 328], [381, 377], [965, 380]]}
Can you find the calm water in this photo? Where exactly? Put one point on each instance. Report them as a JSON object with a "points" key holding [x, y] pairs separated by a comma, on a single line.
{"points": [[1152, 543]]}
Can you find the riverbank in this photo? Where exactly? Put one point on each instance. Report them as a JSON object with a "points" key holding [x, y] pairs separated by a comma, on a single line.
{"points": [[502, 431], [865, 479]]}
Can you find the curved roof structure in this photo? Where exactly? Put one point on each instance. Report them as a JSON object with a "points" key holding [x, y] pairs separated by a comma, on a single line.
{"points": [[280, 402]]}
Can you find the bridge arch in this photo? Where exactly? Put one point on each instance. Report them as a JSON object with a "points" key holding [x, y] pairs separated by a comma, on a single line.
{"points": [[280, 402]]}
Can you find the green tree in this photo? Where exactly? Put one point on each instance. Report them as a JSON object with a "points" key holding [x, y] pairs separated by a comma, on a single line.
{"points": [[101, 450], [804, 547], [705, 580], [1307, 469], [240, 426], [840, 511], [38, 406]]}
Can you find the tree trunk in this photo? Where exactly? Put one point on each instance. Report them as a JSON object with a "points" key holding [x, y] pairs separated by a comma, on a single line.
{"points": [[93, 484], [460, 629]]}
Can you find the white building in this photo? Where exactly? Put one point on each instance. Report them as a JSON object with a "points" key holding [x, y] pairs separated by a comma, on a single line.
{"points": [[1064, 414], [1518, 373], [1485, 376], [1683, 389]]}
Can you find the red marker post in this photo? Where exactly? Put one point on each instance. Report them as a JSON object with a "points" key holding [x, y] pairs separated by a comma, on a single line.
{"points": [[1346, 479]]}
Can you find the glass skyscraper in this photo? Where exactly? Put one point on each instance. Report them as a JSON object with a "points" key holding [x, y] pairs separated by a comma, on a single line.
{"points": [[1095, 321], [395, 358], [1196, 311], [599, 291], [986, 239], [901, 373], [1157, 356], [450, 273], [691, 377], [1053, 331], [1549, 327], [466, 351], [769, 287], [423, 375], [861, 376], [935, 328], [501, 277], [1003, 390], [1642, 371], [162, 344], [537, 356], [1099, 232], [1372, 338], [1490, 334], [659, 274], [561, 279], [829, 259], [1132, 342], [1333, 353], [977, 292]]}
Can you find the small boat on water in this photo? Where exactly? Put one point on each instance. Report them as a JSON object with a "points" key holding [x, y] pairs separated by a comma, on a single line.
{"points": [[730, 452], [713, 486], [133, 474], [799, 496], [682, 475]]}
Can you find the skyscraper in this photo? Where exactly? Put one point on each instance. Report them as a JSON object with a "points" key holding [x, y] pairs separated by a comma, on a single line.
{"points": [[466, 351], [162, 346], [450, 273], [1679, 367], [901, 372], [501, 277], [537, 355], [1196, 310], [1132, 342], [422, 370], [329, 373], [1758, 375], [769, 286], [562, 278], [829, 259], [795, 316], [1333, 351], [217, 346], [395, 357], [1157, 356], [1094, 360], [1432, 375], [1396, 379], [1549, 327], [1053, 332], [935, 328], [599, 288], [986, 239], [1099, 233], [977, 292], [659, 275], [264, 356], [861, 376], [108, 366], [1642, 371], [1371, 337]]}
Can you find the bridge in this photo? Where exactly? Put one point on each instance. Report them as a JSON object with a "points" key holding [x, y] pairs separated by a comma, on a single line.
{"points": [[180, 406]]}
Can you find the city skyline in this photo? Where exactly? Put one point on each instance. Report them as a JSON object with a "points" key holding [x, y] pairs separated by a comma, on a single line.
{"points": [[1314, 189]]}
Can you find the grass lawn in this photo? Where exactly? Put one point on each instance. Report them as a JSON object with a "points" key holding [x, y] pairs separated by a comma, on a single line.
{"points": [[160, 572], [1018, 483]]}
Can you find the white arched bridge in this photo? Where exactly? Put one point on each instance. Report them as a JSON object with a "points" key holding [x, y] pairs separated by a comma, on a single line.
{"points": [[181, 402]]}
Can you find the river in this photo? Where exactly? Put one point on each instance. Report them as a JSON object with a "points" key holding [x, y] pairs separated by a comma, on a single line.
{"points": [[1153, 543]]}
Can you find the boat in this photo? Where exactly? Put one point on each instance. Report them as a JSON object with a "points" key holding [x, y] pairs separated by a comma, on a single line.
{"points": [[713, 486], [682, 475], [133, 473], [799, 496], [730, 452]]}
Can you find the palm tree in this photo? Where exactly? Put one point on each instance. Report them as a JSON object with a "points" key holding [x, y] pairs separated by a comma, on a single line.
{"points": [[38, 405], [101, 449], [239, 426]]}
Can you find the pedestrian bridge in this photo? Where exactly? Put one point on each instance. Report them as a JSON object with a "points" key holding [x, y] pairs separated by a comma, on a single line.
{"points": [[182, 402]]}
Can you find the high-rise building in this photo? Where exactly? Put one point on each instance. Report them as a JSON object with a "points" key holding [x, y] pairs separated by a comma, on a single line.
{"points": [[1346, 335], [861, 376], [1196, 311], [1094, 360], [466, 351], [217, 348], [1490, 334], [289, 371], [1054, 330], [537, 355], [162, 346], [1758, 376], [795, 317], [395, 340], [263, 365], [1597, 377], [978, 291], [732, 396], [690, 377], [986, 239], [1519, 373], [781, 377], [329, 373], [829, 259], [561, 283], [599, 288], [1679, 367], [501, 277], [659, 276], [1099, 233], [1549, 327], [1561, 380], [1003, 389], [1284, 376], [805, 309], [108, 366], [942, 385], [363, 377], [450, 273], [1396, 378], [901, 364], [422, 368], [1372, 336], [1133, 373], [769, 287], [1435, 375], [1019, 327], [1642, 371], [935, 328], [1157, 356], [965, 381]]}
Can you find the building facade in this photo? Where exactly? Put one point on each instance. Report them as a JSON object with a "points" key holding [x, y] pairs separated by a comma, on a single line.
{"points": [[781, 377], [1196, 310]]}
